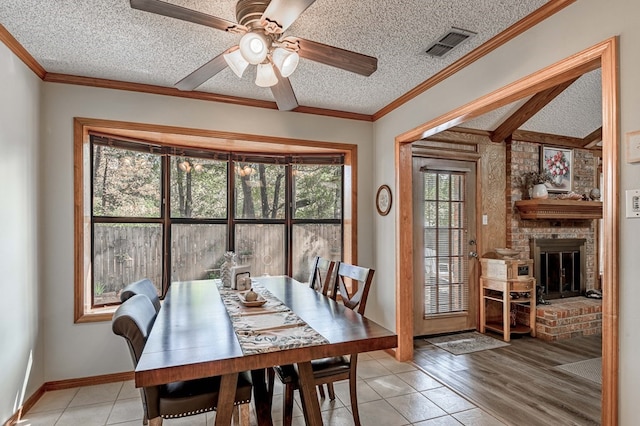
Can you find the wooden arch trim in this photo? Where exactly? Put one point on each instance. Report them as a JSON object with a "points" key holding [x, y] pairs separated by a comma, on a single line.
{"points": [[603, 55]]}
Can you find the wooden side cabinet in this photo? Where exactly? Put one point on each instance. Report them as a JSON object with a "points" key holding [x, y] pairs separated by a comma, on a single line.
{"points": [[500, 291]]}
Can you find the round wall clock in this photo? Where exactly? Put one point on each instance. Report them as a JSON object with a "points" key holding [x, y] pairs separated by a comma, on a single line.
{"points": [[383, 200]]}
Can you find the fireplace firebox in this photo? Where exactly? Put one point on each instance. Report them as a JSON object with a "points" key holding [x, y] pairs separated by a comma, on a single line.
{"points": [[559, 266]]}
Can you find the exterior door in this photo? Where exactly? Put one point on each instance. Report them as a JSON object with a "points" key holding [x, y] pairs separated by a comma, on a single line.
{"points": [[445, 287]]}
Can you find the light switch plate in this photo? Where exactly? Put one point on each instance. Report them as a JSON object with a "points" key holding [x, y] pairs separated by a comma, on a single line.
{"points": [[633, 203]]}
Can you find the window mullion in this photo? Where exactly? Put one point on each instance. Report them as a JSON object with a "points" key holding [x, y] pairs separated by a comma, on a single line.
{"points": [[166, 222], [288, 215], [231, 203]]}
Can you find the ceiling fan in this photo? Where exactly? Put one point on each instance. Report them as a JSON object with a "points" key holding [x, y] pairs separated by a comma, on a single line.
{"points": [[262, 24]]}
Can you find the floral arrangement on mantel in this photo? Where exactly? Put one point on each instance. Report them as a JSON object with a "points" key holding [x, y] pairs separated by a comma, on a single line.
{"points": [[528, 180], [536, 178]]}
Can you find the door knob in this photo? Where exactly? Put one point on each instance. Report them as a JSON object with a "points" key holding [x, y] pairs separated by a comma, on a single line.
{"points": [[473, 254]]}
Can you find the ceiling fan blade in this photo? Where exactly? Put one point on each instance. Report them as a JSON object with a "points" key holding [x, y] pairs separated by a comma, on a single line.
{"points": [[178, 12], [203, 73], [284, 12], [283, 92], [335, 56]]}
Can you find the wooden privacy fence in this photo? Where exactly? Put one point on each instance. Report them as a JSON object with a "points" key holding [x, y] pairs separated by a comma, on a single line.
{"points": [[125, 253]]}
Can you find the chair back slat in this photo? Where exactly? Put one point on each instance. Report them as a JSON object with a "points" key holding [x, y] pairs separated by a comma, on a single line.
{"points": [[322, 277], [360, 279]]}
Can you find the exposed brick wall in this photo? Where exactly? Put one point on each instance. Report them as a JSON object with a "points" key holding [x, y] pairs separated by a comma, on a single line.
{"points": [[525, 157]]}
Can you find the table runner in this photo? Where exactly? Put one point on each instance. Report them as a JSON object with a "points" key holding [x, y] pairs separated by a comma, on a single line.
{"points": [[267, 328]]}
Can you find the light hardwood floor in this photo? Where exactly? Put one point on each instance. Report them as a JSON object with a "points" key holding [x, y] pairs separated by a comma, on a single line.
{"points": [[517, 383]]}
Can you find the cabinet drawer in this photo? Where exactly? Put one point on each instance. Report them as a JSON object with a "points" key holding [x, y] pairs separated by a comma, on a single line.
{"points": [[498, 285], [522, 286], [508, 285]]}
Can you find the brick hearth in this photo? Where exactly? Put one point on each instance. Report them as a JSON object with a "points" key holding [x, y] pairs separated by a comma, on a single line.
{"points": [[565, 318]]}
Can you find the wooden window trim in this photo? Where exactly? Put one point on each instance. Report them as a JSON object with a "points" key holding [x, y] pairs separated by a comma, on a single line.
{"points": [[191, 139]]}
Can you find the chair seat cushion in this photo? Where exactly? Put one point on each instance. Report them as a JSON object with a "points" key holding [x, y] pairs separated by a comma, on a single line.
{"points": [[286, 373], [321, 368], [188, 397], [330, 366]]}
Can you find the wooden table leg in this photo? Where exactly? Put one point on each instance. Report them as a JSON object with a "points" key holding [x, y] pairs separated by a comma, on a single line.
{"points": [[262, 398], [307, 387], [224, 412]]}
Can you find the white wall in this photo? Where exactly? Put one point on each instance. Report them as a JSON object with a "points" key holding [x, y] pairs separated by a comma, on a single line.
{"points": [[81, 350], [581, 25], [21, 360], [74, 351]]}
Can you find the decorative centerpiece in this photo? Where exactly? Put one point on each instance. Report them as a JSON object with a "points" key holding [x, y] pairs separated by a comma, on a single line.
{"points": [[225, 268], [251, 299]]}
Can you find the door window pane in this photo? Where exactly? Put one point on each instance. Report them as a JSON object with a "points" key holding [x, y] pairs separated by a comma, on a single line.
{"points": [[446, 279]]}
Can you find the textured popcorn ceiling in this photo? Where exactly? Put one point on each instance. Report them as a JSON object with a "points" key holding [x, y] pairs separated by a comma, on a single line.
{"points": [[576, 112], [107, 39]]}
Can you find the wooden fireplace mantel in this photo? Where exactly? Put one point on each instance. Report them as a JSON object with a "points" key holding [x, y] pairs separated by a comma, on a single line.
{"points": [[559, 209]]}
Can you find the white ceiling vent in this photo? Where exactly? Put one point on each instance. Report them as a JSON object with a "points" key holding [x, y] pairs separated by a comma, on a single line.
{"points": [[448, 41]]}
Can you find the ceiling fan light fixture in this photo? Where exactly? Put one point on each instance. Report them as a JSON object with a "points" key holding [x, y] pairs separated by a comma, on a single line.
{"points": [[236, 62], [254, 47], [285, 60], [266, 76]]}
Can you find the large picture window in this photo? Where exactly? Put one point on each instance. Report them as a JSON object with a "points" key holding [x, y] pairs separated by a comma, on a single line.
{"points": [[169, 213]]}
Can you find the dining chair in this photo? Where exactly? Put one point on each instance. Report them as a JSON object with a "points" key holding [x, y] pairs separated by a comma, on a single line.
{"points": [[133, 320], [334, 369], [322, 279], [144, 286], [322, 276]]}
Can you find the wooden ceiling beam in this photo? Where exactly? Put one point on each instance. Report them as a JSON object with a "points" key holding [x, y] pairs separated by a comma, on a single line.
{"points": [[550, 139], [528, 110], [461, 135], [592, 139]]}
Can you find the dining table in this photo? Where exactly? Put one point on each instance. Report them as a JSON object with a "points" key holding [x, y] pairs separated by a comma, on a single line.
{"points": [[200, 331]]}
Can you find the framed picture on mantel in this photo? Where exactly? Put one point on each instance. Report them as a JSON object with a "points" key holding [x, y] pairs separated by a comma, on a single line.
{"points": [[558, 162]]}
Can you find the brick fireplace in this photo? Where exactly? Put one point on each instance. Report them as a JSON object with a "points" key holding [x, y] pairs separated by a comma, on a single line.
{"points": [[523, 157], [563, 250]]}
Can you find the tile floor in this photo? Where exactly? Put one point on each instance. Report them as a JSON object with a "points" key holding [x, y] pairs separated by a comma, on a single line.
{"points": [[390, 393]]}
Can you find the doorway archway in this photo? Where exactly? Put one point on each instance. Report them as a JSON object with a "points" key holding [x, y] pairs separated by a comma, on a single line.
{"points": [[603, 55]]}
